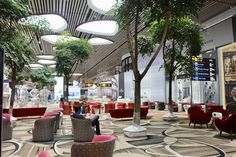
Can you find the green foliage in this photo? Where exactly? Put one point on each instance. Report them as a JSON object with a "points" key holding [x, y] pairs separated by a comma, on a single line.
{"points": [[14, 9], [18, 49], [69, 53], [42, 77], [183, 41], [145, 45]]}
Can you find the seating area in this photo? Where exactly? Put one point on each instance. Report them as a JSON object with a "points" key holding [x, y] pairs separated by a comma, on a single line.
{"points": [[118, 78], [24, 112], [128, 112]]}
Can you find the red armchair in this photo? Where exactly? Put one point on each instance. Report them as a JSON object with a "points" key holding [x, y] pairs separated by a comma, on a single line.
{"points": [[198, 116], [121, 105], [130, 105], [109, 106], [227, 125]]}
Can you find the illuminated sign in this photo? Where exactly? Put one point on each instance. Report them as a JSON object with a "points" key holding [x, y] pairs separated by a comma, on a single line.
{"points": [[204, 69]]}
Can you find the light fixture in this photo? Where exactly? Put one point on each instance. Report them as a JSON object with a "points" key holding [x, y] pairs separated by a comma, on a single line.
{"points": [[45, 56], [35, 66], [99, 41], [101, 6], [77, 74], [52, 66], [48, 62], [56, 23], [55, 38], [100, 27]]}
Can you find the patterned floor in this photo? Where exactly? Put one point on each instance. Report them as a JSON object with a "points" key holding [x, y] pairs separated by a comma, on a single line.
{"points": [[170, 139]]}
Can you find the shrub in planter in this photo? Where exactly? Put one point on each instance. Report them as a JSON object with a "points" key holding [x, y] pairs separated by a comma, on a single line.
{"points": [[161, 106]]}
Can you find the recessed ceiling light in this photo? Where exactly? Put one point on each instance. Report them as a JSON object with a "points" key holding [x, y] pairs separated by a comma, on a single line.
{"points": [[99, 41], [100, 27], [56, 22], [101, 6], [35, 65], [55, 38], [45, 56], [52, 66], [77, 74], [44, 61]]}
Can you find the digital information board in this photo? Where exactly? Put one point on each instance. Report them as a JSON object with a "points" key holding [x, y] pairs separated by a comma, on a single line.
{"points": [[204, 69]]}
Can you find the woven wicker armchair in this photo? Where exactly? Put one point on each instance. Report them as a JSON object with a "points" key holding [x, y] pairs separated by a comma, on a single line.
{"points": [[57, 115], [101, 146], [82, 130], [6, 129], [43, 129]]}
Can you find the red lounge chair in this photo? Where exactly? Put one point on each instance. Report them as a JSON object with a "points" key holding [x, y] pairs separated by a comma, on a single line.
{"points": [[198, 116], [130, 105], [121, 105], [109, 106], [227, 125]]}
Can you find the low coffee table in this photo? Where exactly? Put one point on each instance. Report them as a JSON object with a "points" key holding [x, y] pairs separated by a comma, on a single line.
{"points": [[215, 115]]}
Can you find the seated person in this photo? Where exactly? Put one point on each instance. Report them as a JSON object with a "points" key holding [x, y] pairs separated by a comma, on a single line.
{"points": [[94, 120]]}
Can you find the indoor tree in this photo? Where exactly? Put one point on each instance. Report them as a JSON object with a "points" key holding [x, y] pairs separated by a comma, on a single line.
{"points": [[15, 42], [18, 53], [130, 14], [42, 77], [68, 54], [183, 41]]}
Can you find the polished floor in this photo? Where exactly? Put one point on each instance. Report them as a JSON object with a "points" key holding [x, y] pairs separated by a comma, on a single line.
{"points": [[174, 139]]}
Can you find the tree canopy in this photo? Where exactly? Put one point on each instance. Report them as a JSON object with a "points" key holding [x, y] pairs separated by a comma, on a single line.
{"points": [[42, 77], [69, 54]]}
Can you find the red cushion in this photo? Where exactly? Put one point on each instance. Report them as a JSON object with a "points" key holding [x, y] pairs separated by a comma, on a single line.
{"points": [[47, 117], [102, 138], [43, 154], [7, 116]]}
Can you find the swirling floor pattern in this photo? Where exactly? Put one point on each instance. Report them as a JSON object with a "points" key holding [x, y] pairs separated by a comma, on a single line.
{"points": [[10, 148], [177, 143]]}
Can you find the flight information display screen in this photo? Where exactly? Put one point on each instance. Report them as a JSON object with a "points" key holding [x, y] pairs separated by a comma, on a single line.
{"points": [[204, 69]]}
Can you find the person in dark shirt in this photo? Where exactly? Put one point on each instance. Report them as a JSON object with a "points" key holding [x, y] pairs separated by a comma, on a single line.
{"points": [[94, 120]]}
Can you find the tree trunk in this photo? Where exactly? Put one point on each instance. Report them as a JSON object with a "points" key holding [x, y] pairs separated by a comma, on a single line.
{"points": [[67, 89], [137, 101], [13, 88], [170, 106]]}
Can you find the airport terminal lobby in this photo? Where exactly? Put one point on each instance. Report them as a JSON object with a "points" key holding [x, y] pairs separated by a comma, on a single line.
{"points": [[117, 78]]}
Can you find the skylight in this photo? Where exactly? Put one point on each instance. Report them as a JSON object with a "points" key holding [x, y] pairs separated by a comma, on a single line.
{"points": [[101, 27], [99, 41], [56, 23], [101, 6], [45, 56], [44, 61], [35, 65], [52, 66], [55, 38], [77, 74]]}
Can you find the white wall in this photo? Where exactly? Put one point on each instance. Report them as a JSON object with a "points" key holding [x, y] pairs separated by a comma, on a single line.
{"points": [[153, 84], [218, 35]]}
